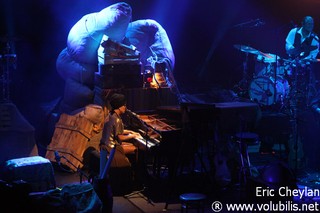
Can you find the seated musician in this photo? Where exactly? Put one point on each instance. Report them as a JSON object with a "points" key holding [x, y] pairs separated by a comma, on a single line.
{"points": [[302, 42], [302, 46], [115, 134]]}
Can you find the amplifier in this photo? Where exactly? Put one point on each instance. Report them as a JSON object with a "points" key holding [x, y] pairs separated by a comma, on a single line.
{"points": [[119, 76]]}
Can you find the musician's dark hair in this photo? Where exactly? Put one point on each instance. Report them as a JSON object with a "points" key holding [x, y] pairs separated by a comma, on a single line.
{"points": [[117, 100], [306, 18]]}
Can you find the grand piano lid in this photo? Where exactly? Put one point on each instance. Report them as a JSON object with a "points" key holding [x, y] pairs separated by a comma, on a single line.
{"points": [[157, 123]]}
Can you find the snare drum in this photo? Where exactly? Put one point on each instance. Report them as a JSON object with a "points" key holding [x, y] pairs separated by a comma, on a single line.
{"points": [[268, 58], [266, 91], [268, 70]]}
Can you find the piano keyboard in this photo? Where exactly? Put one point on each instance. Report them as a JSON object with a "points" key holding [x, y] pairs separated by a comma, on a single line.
{"points": [[142, 142]]}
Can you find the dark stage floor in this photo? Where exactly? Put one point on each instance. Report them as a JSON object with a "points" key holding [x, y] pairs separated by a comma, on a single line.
{"points": [[219, 182], [158, 194]]}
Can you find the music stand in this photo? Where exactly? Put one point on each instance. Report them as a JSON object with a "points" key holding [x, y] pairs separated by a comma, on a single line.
{"points": [[78, 169]]}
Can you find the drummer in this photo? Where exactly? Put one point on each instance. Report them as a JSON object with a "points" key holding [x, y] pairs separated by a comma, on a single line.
{"points": [[302, 46], [302, 42]]}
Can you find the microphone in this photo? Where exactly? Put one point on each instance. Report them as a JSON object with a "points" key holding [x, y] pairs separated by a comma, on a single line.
{"points": [[132, 113], [57, 157], [135, 117], [259, 22], [145, 124], [252, 23]]}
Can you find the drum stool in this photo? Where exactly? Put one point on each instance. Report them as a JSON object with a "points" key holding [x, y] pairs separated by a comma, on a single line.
{"points": [[192, 201], [245, 139]]}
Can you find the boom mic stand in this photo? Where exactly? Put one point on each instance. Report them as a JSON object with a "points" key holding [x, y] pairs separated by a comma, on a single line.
{"points": [[243, 84], [296, 105], [275, 80], [135, 117], [244, 80], [139, 192], [295, 135]]}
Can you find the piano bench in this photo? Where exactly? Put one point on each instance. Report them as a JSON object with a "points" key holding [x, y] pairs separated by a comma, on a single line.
{"points": [[192, 201], [131, 151], [246, 139]]}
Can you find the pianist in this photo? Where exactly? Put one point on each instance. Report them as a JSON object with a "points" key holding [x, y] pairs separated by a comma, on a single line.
{"points": [[115, 134]]}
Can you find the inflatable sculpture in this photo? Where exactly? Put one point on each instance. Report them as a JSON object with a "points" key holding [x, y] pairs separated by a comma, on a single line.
{"points": [[79, 61]]}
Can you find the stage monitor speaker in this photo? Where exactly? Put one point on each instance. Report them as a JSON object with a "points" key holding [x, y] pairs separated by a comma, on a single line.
{"points": [[36, 171]]}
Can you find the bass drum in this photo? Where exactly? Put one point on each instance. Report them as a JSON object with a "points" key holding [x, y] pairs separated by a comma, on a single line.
{"points": [[263, 90]]}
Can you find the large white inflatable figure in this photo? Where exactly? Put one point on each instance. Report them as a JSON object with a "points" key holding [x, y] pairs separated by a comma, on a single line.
{"points": [[78, 62], [152, 41]]}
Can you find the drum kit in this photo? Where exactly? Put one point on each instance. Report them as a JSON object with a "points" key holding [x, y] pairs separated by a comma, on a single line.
{"points": [[277, 81]]}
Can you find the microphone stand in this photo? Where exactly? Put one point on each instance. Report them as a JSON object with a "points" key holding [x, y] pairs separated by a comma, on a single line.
{"points": [[275, 93], [251, 23], [151, 127], [243, 84], [77, 169], [143, 130], [138, 192]]}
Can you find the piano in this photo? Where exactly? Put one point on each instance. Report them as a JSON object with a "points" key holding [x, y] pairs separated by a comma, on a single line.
{"points": [[161, 136]]}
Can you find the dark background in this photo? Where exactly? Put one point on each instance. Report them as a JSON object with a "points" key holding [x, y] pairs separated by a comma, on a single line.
{"points": [[201, 32]]}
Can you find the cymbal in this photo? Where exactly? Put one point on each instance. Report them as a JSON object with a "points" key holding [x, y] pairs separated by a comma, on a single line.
{"points": [[267, 55], [246, 49]]}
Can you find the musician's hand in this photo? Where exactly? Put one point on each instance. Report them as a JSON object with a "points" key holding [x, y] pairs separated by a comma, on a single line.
{"points": [[136, 135], [133, 134], [127, 131]]}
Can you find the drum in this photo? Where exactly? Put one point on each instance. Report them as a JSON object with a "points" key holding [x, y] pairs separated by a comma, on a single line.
{"points": [[266, 64], [263, 69], [266, 91], [267, 58]]}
